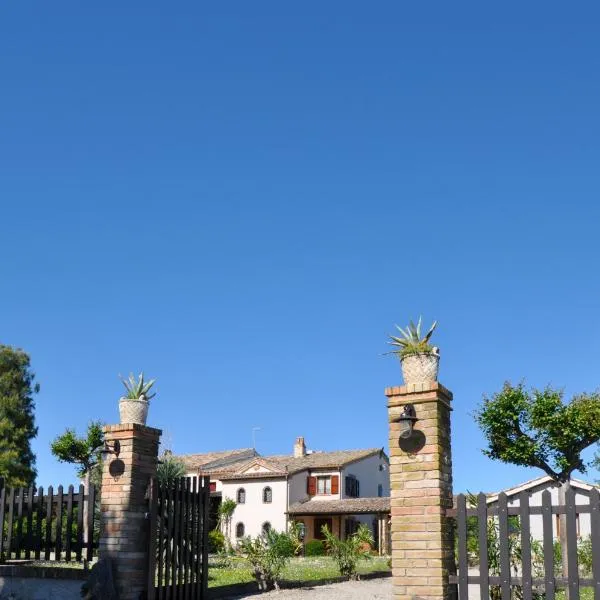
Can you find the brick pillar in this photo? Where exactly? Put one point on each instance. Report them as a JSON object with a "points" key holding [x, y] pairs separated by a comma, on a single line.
{"points": [[124, 529], [421, 490]]}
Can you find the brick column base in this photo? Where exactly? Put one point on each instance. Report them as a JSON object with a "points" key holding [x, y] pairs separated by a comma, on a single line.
{"points": [[421, 490], [124, 529]]}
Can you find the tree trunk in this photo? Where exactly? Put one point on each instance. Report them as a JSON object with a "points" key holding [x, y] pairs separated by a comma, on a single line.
{"points": [[562, 489]]}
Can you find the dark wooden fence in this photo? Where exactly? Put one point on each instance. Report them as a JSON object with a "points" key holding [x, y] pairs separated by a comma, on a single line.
{"points": [[46, 526], [179, 517], [512, 574]]}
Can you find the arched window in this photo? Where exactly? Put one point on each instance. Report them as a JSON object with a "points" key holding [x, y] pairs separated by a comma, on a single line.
{"points": [[266, 527], [267, 495], [241, 496], [240, 530]]}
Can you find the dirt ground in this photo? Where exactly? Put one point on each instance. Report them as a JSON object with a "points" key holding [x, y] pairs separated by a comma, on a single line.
{"points": [[374, 589]]}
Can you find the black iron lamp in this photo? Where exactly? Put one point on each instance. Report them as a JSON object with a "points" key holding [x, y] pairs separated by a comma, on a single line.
{"points": [[116, 449], [407, 421]]}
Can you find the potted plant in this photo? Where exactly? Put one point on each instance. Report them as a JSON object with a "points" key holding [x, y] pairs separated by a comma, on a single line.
{"points": [[419, 359], [133, 407]]}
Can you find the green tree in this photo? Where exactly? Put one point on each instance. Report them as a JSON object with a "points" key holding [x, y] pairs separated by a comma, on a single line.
{"points": [[17, 420], [169, 470], [226, 510], [537, 428], [84, 451]]}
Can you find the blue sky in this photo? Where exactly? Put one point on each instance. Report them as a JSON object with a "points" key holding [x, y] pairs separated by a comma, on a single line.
{"points": [[242, 199]]}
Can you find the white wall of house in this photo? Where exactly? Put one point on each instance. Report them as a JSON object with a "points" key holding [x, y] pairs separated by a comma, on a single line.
{"points": [[297, 487], [219, 485], [536, 521], [254, 512], [369, 475]]}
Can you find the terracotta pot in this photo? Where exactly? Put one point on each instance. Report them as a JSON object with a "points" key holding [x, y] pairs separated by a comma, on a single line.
{"points": [[420, 368], [133, 411]]}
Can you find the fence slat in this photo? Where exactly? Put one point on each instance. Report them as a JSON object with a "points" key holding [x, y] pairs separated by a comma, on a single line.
{"points": [[463, 568], [595, 534], [186, 548], [59, 519], [181, 536], [169, 533], [195, 538], [175, 540], [19, 539], [11, 520], [152, 544], [49, 504], [80, 511], [549, 584], [572, 566], [482, 524], [38, 525], [205, 516], [504, 546], [160, 499], [198, 566], [68, 537], [2, 512], [29, 538], [525, 545], [91, 509]]}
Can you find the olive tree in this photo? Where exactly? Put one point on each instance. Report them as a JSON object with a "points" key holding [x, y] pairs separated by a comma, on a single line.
{"points": [[537, 428]]}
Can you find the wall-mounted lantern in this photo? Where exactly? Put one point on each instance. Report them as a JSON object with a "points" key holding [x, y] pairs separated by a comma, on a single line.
{"points": [[407, 421]]}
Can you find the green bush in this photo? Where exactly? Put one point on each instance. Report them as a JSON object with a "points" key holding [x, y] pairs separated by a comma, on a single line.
{"points": [[268, 555], [348, 552], [314, 548], [216, 541]]}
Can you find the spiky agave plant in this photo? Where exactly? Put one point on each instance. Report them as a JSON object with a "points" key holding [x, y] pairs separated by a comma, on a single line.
{"points": [[138, 390], [411, 341]]}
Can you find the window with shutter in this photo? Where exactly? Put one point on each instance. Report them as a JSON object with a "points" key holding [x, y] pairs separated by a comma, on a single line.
{"points": [[311, 486], [324, 485], [241, 496], [335, 484]]}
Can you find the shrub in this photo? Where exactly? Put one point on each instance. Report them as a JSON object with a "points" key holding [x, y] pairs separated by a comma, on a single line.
{"points": [[314, 548], [216, 541], [267, 554], [348, 552]]}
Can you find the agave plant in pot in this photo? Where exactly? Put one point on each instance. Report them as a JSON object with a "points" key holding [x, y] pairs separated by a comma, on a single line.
{"points": [[133, 407], [419, 359]]}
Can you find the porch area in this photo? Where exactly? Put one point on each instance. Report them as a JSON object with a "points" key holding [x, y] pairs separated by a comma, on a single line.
{"points": [[343, 517]]}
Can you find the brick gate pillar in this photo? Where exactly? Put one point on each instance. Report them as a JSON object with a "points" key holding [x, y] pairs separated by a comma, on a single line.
{"points": [[421, 490], [124, 529]]}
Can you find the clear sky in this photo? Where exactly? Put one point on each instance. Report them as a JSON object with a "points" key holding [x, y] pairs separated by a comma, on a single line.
{"points": [[242, 198]]}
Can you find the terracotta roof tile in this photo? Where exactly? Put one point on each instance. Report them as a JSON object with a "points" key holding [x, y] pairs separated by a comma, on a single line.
{"points": [[212, 461], [347, 506]]}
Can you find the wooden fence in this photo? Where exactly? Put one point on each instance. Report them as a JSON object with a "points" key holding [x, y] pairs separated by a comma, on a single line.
{"points": [[46, 526], [178, 553], [514, 570]]}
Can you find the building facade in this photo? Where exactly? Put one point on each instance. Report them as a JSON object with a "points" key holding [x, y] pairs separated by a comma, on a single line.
{"points": [[338, 489]]}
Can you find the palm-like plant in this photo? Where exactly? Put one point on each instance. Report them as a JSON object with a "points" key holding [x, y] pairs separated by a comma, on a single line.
{"points": [[411, 341], [138, 390]]}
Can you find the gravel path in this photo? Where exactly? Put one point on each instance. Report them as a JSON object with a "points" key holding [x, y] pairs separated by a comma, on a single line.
{"points": [[373, 589]]}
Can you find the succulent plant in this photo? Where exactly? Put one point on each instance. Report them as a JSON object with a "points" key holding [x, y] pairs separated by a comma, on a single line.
{"points": [[138, 390], [411, 341]]}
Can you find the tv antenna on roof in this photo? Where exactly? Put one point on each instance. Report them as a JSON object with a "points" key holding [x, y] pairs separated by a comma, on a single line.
{"points": [[254, 430]]}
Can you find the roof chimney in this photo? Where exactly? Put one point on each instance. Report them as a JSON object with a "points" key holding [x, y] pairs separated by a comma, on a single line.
{"points": [[299, 448]]}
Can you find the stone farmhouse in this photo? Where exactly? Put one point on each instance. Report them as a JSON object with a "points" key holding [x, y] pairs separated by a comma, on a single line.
{"points": [[339, 489]]}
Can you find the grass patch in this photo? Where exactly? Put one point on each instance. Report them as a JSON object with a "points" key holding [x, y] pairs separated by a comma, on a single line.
{"points": [[298, 569]]}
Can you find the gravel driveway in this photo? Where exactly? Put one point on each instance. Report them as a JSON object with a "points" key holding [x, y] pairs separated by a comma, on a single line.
{"points": [[373, 589]]}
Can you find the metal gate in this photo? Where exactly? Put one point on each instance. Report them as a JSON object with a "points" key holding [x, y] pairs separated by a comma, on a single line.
{"points": [[178, 552]]}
